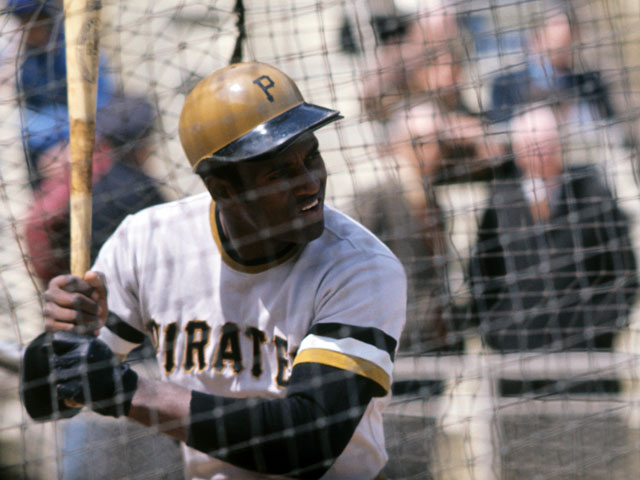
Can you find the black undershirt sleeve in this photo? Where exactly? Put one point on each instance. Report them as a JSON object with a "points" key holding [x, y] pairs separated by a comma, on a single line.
{"points": [[123, 330], [300, 435]]}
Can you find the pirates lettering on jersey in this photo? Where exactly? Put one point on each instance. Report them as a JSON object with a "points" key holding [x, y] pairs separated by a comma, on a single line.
{"points": [[283, 361], [227, 351], [170, 334], [197, 340], [258, 338]]}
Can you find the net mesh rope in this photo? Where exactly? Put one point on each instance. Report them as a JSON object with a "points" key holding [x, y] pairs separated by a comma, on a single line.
{"points": [[425, 146]]}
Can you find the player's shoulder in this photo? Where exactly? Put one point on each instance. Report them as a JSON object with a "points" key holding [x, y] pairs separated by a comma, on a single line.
{"points": [[345, 234], [160, 223], [178, 211]]}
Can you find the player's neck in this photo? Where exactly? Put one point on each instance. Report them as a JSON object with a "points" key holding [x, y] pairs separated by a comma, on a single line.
{"points": [[249, 247]]}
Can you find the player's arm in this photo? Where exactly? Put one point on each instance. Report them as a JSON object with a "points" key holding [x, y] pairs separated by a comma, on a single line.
{"points": [[300, 435]]}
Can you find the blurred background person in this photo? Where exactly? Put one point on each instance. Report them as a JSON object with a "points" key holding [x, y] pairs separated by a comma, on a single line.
{"points": [[403, 212], [553, 267], [120, 186], [425, 68], [405, 73], [430, 137], [555, 72], [41, 78]]}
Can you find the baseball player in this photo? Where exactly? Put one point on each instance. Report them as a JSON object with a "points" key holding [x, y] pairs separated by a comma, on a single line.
{"points": [[275, 317]]}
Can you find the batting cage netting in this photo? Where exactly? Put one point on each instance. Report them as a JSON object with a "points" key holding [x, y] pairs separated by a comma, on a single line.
{"points": [[492, 145]]}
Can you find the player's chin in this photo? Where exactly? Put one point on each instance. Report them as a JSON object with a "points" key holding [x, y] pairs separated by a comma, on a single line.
{"points": [[304, 229]]}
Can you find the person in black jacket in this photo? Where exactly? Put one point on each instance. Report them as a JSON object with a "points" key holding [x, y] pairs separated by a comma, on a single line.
{"points": [[554, 267]]}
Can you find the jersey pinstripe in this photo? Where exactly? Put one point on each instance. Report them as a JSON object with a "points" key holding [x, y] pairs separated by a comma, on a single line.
{"points": [[236, 330]]}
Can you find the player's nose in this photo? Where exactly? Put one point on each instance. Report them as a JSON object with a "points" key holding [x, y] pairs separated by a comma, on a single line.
{"points": [[307, 181]]}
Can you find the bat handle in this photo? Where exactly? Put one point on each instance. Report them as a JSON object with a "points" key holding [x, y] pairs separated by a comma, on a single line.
{"points": [[80, 195], [82, 48]]}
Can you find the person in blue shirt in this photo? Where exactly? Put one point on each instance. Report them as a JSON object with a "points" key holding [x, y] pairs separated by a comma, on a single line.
{"points": [[551, 74], [41, 79]]}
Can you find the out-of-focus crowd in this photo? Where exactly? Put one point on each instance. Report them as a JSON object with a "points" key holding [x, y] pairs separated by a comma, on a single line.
{"points": [[553, 266], [123, 126]]}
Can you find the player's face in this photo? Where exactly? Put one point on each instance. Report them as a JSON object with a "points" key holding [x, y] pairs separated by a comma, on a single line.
{"points": [[281, 199]]}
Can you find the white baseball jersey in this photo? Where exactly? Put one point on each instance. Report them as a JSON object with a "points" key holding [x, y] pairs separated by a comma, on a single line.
{"points": [[236, 330]]}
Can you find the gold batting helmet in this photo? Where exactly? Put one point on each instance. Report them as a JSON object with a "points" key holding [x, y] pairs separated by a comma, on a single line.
{"points": [[243, 111]]}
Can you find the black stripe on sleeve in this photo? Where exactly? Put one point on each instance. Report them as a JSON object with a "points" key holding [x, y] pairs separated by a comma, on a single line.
{"points": [[124, 330], [372, 336], [299, 436]]}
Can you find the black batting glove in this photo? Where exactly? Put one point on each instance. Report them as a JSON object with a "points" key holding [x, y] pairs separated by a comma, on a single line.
{"points": [[38, 383], [87, 373]]}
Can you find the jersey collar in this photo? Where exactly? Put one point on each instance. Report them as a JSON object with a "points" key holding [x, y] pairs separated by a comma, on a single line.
{"points": [[230, 257]]}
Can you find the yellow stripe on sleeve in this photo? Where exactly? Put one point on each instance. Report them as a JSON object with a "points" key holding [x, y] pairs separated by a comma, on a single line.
{"points": [[345, 362]]}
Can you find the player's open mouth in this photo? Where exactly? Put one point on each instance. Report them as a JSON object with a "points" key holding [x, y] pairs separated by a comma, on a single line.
{"points": [[311, 206]]}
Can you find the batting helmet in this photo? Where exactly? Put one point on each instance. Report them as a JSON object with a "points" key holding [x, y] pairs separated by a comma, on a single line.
{"points": [[243, 111]]}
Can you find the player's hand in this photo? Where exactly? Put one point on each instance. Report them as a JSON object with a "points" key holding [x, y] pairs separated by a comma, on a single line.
{"points": [[76, 304], [38, 395], [62, 371], [89, 374]]}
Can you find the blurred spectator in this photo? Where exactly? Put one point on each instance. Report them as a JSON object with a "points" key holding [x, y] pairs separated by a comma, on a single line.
{"points": [[430, 137], [425, 69], [404, 213], [386, 22], [552, 74], [120, 186], [420, 65], [41, 78], [554, 267]]}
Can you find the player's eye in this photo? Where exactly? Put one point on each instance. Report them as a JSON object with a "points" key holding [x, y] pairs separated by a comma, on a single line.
{"points": [[277, 174], [312, 159]]}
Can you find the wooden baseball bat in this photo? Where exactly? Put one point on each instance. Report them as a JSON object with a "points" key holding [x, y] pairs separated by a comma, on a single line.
{"points": [[82, 47]]}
